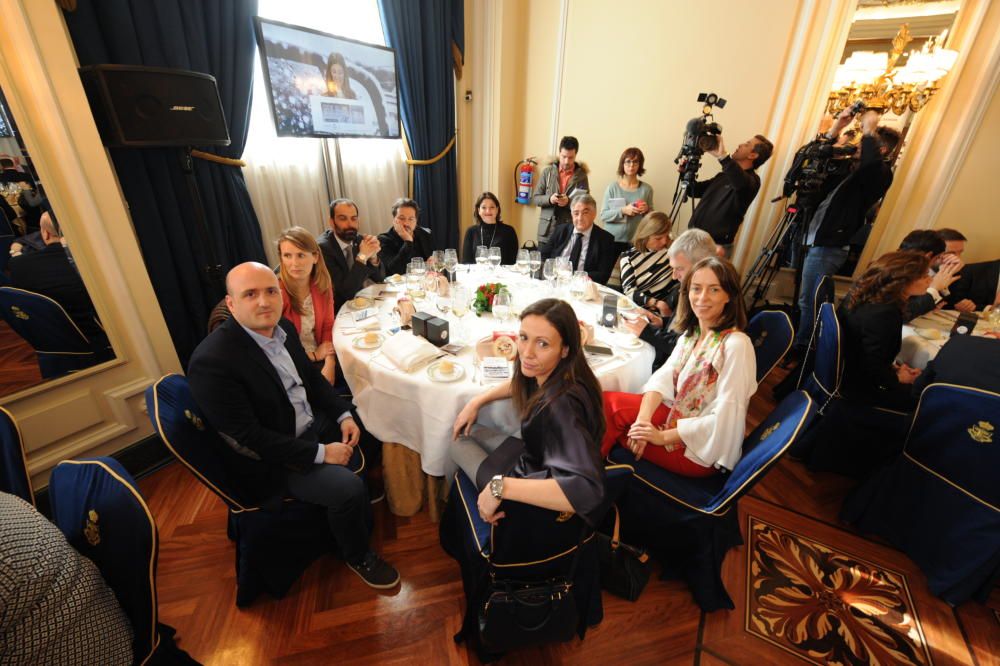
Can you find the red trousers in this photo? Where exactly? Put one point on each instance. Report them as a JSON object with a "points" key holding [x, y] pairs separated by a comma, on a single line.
{"points": [[621, 411]]}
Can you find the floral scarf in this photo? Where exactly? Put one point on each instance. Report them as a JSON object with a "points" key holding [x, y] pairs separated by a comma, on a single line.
{"points": [[690, 396]]}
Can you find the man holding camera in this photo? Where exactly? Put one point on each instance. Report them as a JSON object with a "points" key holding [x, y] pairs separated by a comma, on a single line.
{"points": [[559, 182], [726, 197], [843, 210]]}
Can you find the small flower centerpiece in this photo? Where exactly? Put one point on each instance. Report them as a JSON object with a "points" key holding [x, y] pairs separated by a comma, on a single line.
{"points": [[484, 297]]}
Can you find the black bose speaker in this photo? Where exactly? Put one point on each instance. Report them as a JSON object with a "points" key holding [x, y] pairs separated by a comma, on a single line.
{"points": [[152, 106]]}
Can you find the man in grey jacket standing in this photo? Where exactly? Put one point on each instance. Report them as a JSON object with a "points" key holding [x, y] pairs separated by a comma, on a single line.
{"points": [[559, 182]]}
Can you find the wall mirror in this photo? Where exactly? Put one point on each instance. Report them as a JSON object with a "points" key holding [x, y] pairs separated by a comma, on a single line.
{"points": [[48, 325], [896, 58]]}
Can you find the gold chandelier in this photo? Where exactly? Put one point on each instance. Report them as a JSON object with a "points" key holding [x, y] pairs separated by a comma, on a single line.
{"points": [[874, 78]]}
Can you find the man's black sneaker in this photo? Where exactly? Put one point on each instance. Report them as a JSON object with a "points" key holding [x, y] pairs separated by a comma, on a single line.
{"points": [[376, 572]]}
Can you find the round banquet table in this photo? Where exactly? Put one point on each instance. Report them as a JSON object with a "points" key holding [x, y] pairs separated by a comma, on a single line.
{"points": [[924, 336], [413, 415]]}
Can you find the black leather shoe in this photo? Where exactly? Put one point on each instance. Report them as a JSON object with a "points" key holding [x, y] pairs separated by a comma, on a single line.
{"points": [[376, 572]]}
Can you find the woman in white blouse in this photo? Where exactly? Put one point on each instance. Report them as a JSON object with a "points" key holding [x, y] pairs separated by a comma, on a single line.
{"points": [[691, 416]]}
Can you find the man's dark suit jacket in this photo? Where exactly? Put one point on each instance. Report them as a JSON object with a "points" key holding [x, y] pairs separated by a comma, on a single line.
{"points": [[601, 251], [346, 283], [48, 272], [978, 283], [964, 360], [396, 253], [242, 396]]}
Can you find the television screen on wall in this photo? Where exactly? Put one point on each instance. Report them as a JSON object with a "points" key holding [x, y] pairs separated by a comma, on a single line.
{"points": [[321, 85]]}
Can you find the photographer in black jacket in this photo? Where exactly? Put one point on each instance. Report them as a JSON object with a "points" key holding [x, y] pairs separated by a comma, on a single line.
{"points": [[726, 197], [842, 211]]}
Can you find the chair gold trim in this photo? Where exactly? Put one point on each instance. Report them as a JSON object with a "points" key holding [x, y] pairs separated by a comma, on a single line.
{"points": [[155, 636]]}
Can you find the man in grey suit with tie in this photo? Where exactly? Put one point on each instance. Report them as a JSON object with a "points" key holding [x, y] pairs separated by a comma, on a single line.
{"points": [[352, 258]]}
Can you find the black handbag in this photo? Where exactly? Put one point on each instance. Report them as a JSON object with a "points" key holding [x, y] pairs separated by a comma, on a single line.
{"points": [[521, 613], [624, 568]]}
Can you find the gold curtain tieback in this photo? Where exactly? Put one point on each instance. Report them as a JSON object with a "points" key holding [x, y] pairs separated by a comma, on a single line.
{"points": [[210, 157]]}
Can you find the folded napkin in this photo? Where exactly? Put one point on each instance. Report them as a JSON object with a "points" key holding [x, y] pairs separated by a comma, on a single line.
{"points": [[408, 352]]}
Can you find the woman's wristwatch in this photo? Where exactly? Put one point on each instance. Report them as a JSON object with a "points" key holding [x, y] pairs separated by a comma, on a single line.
{"points": [[496, 486]]}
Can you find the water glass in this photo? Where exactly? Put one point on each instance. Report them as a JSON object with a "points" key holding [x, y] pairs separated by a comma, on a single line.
{"points": [[450, 261], [495, 257], [549, 270], [563, 268], [578, 284], [418, 265], [523, 262], [535, 262], [482, 255]]}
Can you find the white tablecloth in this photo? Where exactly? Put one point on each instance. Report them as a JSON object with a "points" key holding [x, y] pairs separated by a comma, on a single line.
{"points": [[410, 409], [924, 336]]}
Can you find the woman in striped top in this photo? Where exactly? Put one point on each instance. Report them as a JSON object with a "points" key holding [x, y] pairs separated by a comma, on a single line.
{"points": [[645, 267]]}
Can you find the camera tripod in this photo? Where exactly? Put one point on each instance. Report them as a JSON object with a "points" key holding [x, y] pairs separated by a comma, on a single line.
{"points": [[684, 180], [788, 234]]}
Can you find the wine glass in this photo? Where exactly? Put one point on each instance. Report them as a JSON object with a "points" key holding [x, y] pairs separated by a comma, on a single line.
{"points": [[450, 262], [482, 255], [563, 268], [522, 262], [578, 284], [419, 267], [436, 261], [501, 305], [549, 270], [495, 257], [461, 296], [535, 261]]}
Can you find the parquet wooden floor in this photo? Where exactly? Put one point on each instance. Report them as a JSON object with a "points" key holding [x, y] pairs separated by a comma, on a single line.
{"points": [[18, 364], [331, 617]]}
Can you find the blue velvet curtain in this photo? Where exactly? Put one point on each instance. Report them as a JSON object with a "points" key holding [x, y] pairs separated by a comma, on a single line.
{"points": [[425, 35], [216, 38]]}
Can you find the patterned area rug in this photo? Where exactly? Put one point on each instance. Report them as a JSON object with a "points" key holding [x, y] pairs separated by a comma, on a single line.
{"points": [[826, 606]]}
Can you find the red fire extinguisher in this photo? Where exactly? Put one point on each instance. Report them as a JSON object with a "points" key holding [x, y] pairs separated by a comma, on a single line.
{"points": [[524, 172]]}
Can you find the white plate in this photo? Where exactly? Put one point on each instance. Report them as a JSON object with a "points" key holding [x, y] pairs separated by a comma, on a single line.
{"points": [[360, 343], [630, 342], [394, 279], [434, 372]]}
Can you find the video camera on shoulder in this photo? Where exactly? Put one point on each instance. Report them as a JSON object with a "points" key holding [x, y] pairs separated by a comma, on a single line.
{"points": [[701, 134]]}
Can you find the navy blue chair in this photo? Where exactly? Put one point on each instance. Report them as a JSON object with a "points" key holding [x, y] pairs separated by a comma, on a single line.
{"points": [[6, 240], [939, 502], [688, 523], [850, 438], [42, 322], [824, 364], [771, 332], [529, 544], [14, 477], [274, 544], [97, 505]]}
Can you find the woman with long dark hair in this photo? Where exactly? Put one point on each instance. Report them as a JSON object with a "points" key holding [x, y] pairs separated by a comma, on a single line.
{"points": [[691, 416], [556, 465], [338, 84], [307, 296], [871, 318], [489, 231]]}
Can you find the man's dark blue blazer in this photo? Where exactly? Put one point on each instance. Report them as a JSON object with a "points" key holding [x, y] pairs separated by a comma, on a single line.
{"points": [[601, 251], [242, 396]]}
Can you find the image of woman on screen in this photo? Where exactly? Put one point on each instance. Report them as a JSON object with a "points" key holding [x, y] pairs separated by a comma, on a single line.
{"points": [[337, 82]]}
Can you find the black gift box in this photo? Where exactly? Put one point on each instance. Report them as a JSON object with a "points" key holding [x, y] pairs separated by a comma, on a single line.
{"points": [[437, 331], [609, 316], [419, 323]]}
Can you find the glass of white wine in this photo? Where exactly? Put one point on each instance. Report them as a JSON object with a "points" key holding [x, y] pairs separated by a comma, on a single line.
{"points": [[482, 255], [460, 299], [502, 305]]}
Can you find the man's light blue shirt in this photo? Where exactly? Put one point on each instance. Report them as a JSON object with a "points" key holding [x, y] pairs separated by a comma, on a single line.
{"points": [[274, 348]]}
